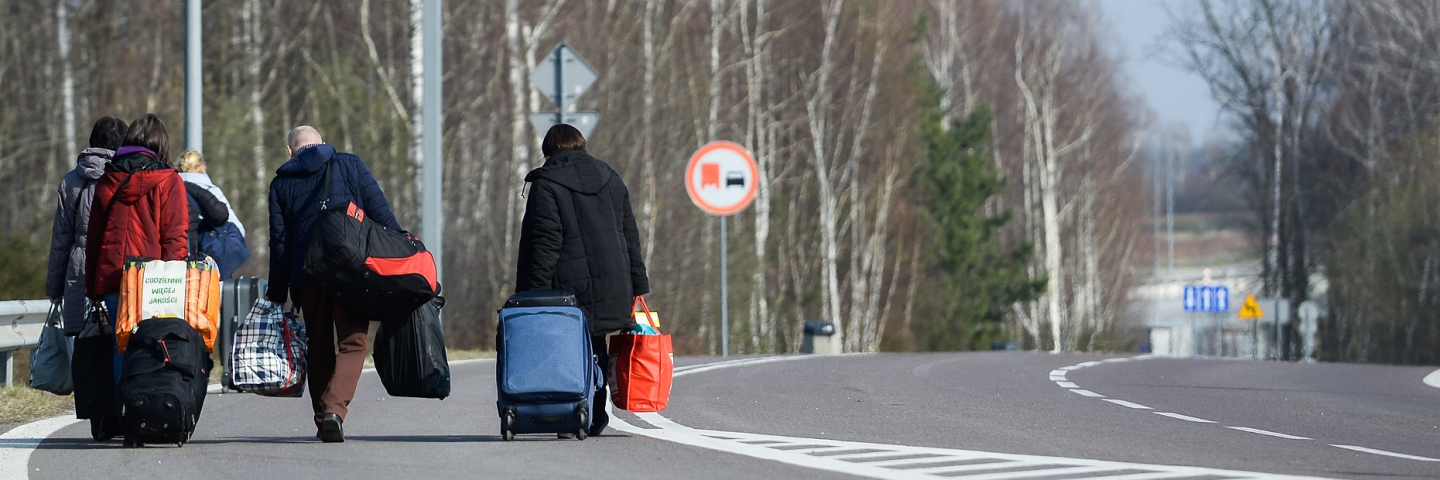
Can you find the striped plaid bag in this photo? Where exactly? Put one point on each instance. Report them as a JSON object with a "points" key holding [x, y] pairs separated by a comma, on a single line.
{"points": [[269, 352]]}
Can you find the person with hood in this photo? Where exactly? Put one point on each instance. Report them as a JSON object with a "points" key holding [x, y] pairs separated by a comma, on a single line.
{"points": [[65, 280], [138, 209], [578, 234], [334, 368], [192, 168], [215, 230]]}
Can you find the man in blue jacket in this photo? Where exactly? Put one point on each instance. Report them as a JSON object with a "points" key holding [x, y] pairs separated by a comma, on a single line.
{"points": [[294, 205]]}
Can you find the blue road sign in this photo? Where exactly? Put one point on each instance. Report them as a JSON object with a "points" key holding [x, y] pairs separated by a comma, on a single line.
{"points": [[1206, 298]]}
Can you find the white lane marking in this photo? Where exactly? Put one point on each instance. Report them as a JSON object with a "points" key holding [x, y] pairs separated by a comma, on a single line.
{"points": [[1048, 472], [1067, 385], [17, 444], [1388, 454], [821, 454], [1087, 393], [1433, 379], [771, 448], [1057, 378], [1267, 432], [1127, 404], [1057, 373], [1184, 417]]}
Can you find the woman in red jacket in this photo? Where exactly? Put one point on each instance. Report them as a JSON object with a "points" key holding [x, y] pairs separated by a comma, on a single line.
{"points": [[139, 209]]}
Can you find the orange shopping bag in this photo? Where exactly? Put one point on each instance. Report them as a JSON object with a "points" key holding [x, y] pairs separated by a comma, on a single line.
{"points": [[641, 367], [188, 289]]}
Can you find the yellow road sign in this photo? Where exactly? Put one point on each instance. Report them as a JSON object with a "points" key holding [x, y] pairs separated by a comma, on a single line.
{"points": [[1251, 309]]}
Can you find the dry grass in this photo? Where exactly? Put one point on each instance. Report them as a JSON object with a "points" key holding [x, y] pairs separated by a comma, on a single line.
{"points": [[21, 404]]}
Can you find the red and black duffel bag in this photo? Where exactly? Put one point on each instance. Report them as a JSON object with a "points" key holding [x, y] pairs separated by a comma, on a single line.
{"points": [[368, 267]]}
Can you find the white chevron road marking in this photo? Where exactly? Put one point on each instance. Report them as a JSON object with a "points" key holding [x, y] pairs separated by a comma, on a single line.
{"points": [[885, 461]]}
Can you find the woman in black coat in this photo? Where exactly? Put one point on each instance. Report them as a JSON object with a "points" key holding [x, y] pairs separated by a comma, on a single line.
{"points": [[205, 210], [579, 235]]}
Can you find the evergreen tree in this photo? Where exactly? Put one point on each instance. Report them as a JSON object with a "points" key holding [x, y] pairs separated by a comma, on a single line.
{"points": [[976, 280]]}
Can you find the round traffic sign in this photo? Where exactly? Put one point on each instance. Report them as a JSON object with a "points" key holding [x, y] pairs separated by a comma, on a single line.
{"points": [[721, 178]]}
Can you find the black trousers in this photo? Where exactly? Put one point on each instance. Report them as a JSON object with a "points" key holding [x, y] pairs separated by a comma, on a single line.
{"points": [[600, 346]]}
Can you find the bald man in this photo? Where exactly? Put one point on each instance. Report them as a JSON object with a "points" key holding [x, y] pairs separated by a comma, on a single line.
{"points": [[334, 367]]}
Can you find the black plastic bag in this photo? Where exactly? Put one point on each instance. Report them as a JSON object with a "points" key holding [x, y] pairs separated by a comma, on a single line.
{"points": [[410, 354], [93, 366]]}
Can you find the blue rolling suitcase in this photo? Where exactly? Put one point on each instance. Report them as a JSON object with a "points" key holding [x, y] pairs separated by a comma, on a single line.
{"points": [[546, 373]]}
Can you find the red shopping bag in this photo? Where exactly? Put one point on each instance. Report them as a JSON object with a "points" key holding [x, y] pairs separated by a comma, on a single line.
{"points": [[641, 369]]}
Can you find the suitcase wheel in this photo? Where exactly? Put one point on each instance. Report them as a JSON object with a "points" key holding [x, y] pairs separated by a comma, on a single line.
{"points": [[507, 425], [580, 413]]}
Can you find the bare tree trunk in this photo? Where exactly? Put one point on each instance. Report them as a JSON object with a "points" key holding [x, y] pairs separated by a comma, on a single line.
{"points": [[650, 208], [757, 137], [519, 144], [818, 108], [417, 99], [250, 23], [67, 82]]}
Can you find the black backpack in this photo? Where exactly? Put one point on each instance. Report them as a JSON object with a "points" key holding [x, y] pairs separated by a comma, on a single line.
{"points": [[163, 383]]}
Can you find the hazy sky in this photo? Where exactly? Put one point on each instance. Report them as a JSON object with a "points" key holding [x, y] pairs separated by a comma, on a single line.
{"points": [[1174, 95]]}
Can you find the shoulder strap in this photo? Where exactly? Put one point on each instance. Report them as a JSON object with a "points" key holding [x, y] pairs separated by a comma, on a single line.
{"points": [[325, 190], [75, 212], [116, 196]]}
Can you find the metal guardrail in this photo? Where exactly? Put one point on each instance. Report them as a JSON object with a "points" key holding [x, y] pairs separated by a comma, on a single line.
{"points": [[20, 324]]}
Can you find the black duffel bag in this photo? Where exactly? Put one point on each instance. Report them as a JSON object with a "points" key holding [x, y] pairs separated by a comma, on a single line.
{"points": [[366, 266], [410, 354]]}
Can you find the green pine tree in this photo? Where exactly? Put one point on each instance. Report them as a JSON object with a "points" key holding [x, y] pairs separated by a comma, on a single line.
{"points": [[976, 279]]}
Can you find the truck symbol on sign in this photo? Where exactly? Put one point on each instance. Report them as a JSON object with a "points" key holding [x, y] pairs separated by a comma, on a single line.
{"points": [[709, 175], [734, 179]]}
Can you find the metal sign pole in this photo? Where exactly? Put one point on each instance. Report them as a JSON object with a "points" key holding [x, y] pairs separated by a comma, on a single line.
{"points": [[724, 296], [559, 89], [194, 128]]}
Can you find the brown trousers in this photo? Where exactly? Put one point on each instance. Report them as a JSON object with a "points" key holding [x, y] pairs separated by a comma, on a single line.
{"points": [[332, 375]]}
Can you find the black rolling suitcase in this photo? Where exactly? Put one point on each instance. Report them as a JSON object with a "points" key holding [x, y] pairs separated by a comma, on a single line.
{"points": [[236, 297], [163, 382]]}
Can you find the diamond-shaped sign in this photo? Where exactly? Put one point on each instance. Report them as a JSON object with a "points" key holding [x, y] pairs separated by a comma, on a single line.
{"points": [[582, 121], [563, 76]]}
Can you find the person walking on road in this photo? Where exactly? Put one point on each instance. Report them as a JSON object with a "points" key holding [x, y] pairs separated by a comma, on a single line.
{"points": [[193, 169], [215, 230], [294, 206], [65, 280], [578, 234], [138, 209]]}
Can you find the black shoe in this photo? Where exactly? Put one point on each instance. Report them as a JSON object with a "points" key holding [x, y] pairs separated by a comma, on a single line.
{"points": [[331, 428], [105, 428], [97, 430], [598, 425]]}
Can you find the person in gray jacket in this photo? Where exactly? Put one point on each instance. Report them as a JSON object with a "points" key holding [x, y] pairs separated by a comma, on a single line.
{"points": [[65, 279]]}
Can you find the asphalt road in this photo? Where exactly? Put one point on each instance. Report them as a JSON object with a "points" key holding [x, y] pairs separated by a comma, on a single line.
{"points": [[992, 415]]}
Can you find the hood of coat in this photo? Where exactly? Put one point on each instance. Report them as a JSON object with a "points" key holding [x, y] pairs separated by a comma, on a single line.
{"points": [[201, 179], [575, 170], [307, 161], [92, 162], [144, 173]]}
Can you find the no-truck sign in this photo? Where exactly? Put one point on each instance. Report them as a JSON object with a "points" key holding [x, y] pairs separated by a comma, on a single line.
{"points": [[721, 178]]}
